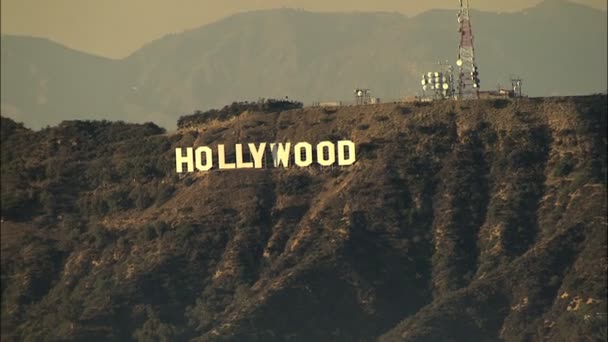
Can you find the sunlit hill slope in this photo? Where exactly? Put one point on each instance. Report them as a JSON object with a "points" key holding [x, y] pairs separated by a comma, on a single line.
{"points": [[471, 220]]}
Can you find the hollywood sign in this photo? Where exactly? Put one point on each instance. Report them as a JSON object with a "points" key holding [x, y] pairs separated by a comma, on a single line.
{"points": [[327, 153]]}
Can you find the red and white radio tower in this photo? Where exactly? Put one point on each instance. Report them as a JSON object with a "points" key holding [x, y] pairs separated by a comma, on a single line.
{"points": [[468, 84]]}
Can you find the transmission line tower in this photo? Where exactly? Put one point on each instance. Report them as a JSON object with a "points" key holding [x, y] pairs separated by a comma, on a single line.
{"points": [[468, 81]]}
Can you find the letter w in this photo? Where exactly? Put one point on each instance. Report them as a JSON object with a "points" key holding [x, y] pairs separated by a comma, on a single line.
{"points": [[280, 154]]}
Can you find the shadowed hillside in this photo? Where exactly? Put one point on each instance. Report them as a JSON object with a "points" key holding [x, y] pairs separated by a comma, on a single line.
{"points": [[461, 221]]}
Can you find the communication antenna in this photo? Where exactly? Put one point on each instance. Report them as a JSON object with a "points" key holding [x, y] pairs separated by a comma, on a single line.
{"points": [[362, 96], [438, 85], [468, 80], [516, 85]]}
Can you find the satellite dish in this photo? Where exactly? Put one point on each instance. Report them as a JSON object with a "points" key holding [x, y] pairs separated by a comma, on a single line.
{"points": [[423, 82], [475, 85], [425, 87], [436, 74], [359, 93], [446, 86], [430, 74], [459, 62]]}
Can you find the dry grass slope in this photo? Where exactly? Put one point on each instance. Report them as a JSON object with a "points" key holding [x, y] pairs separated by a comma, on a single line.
{"points": [[473, 220]]}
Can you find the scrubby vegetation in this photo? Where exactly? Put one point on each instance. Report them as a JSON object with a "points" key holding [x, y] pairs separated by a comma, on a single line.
{"points": [[236, 108], [475, 223]]}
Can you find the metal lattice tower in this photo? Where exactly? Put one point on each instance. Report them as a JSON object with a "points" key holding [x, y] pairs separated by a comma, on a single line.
{"points": [[468, 80]]}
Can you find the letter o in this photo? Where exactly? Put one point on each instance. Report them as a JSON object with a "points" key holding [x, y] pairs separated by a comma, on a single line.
{"points": [[331, 152], [198, 156], [297, 151]]}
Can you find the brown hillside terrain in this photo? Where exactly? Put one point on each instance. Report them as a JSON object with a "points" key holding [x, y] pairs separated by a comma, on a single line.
{"points": [[459, 221]]}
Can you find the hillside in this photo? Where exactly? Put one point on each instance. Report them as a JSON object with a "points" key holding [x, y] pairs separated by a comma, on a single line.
{"points": [[557, 47], [460, 221]]}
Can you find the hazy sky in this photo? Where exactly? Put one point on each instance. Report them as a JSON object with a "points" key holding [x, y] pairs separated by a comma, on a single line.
{"points": [[115, 28]]}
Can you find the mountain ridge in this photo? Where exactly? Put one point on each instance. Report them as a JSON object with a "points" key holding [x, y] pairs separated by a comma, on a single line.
{"points": [[461, 220], [311, 57]]}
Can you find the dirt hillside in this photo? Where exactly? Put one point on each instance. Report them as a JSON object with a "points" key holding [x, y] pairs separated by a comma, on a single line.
{"points": [[459, 221]]}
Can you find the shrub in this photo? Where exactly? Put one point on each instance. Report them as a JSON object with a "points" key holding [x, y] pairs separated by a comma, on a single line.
{"points": [[405, 110], [17, 204], [118, 200], [241, 293], [48, 202], [368, 149], [148, 232], [165, 192], [564, 166], [285, 124], [294, 185], [155, 330], [235, 109], [330, 110], [98, 235], [500, 103], [189, 181], [141, 198]]}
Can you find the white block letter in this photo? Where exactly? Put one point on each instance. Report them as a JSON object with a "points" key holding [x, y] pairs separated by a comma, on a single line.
{"points": [[280, 154], [257, 154], [344, 145], [198, 153], [297, 151], [240, 164], [331, 152], [180, 159], [221, 157]]}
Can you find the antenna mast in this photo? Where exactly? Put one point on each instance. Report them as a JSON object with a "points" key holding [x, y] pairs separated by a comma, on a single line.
{"points": [[468, 83]]}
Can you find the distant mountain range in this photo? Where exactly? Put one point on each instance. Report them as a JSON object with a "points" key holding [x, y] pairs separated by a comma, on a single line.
{"points": [[557, 47]]}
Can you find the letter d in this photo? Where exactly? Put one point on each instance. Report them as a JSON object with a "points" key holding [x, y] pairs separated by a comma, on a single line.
{"points": [[343, 146]]}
